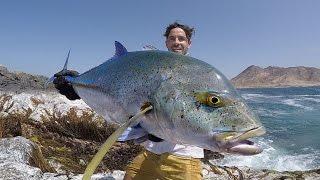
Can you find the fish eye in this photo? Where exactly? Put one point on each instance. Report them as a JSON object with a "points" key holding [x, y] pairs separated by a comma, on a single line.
{"points": [[213, 100], [209, 99]]}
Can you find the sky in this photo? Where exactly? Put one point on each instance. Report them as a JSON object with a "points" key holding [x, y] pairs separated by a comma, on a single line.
{"points": [[35, 35]]}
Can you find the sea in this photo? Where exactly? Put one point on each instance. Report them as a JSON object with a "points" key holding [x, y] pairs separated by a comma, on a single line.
{"points": [[291, 117]]}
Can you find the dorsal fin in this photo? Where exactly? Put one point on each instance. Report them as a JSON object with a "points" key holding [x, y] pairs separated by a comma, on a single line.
{"points": [[120, 49]]}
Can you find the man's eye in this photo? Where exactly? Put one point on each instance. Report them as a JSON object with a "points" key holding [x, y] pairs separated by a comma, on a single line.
{"points": [[172, 38], [181, 38]]}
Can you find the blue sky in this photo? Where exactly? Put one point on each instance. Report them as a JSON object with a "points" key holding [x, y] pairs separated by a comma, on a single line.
{"points": [[231, 35]]}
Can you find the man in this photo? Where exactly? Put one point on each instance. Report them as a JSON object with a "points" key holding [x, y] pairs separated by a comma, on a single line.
{"points": [[162, 159]]}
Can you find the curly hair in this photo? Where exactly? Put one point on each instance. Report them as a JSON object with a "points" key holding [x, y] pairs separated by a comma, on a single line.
{"points": [[188, 30]]}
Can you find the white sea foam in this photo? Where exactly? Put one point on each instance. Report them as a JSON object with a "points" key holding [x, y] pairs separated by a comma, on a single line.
{"points": [[252, 96], [269, 113], [279, 111], [307, 95], [280, 99], [293, 102], [248, 96], [272, 158], [317, 100]]}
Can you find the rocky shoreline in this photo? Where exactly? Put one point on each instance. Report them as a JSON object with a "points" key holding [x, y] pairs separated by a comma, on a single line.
{"points": [[23, 159], [43, 135]]}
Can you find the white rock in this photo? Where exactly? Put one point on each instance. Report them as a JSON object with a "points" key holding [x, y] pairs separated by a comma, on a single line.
{"points": [[16, 170], [16, 149], [39, 106]]}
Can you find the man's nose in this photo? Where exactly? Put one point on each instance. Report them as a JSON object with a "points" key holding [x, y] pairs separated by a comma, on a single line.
{"points": [[176, 41]]}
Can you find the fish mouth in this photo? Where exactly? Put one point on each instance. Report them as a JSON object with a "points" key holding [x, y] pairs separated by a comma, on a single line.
{"points": [[257, 131], [238, 143]]}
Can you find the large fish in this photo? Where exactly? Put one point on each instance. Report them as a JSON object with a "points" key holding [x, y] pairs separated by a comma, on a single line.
{"points": [[192, 102]]}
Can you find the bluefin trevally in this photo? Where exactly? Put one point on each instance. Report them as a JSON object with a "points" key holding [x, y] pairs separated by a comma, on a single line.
{"points": [[192, 102]]}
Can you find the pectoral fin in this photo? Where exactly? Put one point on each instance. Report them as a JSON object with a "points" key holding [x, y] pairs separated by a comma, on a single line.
{"points": [[109, 142]]}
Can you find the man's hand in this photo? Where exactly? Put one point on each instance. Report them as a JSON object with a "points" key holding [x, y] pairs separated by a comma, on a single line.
{"points": [[62, 85]]}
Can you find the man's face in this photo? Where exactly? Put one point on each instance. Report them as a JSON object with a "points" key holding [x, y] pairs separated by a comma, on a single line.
{"points": [[177, 41]]}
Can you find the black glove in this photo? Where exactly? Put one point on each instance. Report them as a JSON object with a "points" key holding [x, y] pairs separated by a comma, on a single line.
{"points": [[154, 138], [62, 85], [149, 137]]}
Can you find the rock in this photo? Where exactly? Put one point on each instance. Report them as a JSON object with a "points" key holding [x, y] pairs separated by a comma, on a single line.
{"points": [[20, 82], [21, 159], [15, 150], [16, 170], [221, 173], [54, 176], [3, 114], [3, 69], [41, 105], [115, 175]]}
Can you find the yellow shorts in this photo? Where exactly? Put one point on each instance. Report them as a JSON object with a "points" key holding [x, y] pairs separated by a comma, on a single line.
{"points": [[151, 166]]}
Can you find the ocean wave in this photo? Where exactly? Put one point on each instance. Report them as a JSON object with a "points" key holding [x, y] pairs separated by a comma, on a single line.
{"points": [[307, 95], [273, 158], [278, 99], [317, 100], [255, 96], [293, 102], [264, 112], [291, 119], [309, 98]]}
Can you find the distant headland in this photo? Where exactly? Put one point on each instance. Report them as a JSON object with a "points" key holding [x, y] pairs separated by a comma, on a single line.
{"points": [[272, 76]]}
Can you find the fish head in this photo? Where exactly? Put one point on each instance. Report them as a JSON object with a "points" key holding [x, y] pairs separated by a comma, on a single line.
{"points": [[229, 121], [207, 111]]}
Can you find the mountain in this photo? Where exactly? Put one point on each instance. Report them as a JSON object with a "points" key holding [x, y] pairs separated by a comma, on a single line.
{"points": [[272, 76]]}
